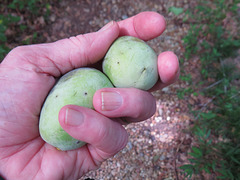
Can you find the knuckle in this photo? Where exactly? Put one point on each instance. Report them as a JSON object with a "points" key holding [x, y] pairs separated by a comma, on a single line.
{"points": [[145, 105], [82, 40], [18, 50]]}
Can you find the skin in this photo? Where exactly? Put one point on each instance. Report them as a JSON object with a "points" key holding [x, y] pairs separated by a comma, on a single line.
{"points": [[28, 73]]}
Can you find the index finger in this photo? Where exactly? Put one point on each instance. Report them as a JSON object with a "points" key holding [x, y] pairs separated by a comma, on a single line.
{"points": [[145, 25]]}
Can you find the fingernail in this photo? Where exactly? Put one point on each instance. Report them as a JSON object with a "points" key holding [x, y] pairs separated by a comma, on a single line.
{"points": [[73, 117], [106, 26], [111, 101]]}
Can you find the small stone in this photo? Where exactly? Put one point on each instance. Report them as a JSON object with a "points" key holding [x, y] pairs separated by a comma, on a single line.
{"points": [[157, 119], [53, 17], [86, 10], [129, 145], [166, 89], [162, 157], [118, 164], [160, 111], [124, 17]]}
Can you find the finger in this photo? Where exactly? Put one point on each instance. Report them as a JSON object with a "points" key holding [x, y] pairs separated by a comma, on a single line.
{"points": [[89, 126], [64, 55], [134, 104], [145, 25], [168, 69]]}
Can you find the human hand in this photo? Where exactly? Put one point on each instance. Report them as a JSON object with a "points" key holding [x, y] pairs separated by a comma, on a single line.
{"points": [[29, 72]]}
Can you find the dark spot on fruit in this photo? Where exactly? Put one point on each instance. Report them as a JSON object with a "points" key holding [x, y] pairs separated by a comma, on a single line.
{"points": [[56, 96], [85, 93], [144, 69], [118, 62]]}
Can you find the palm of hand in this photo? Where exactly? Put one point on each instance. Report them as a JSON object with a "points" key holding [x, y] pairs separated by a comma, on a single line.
{"points": [[26, 76], [26, 89]]}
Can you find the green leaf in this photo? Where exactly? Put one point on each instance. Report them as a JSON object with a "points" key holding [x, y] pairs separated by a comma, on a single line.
{"points": [[3, 38], [208, 115], [235, 160], [194, 155], [3, 51], [193, 161], [12, 5], [187, 77], [213, 166], [23, 27], [208, 133], [2, 28], [209, 142], [14, 19], [207, 170], [195, 94], [196, 150], [188, 169], [197, 153], [200, 132], [186, 166], [176, 10]]}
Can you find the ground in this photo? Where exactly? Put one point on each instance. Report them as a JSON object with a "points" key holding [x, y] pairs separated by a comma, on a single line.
{"points": [[157, 146]]}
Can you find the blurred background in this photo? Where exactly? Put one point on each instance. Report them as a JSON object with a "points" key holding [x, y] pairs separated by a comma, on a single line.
{"points": [[195, 132]]}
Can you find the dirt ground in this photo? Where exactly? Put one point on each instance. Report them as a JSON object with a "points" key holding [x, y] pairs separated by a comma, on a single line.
{"points": [[156, 147]]}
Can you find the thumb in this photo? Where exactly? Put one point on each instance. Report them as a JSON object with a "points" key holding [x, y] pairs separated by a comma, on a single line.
{"points": [[91, 127], [83, 50], [64, 55]]}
